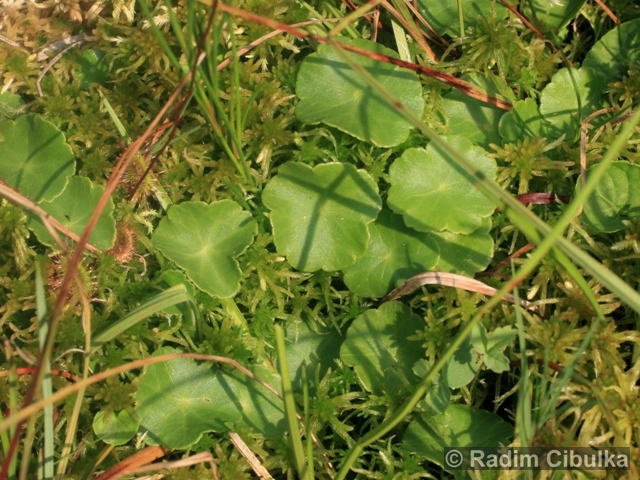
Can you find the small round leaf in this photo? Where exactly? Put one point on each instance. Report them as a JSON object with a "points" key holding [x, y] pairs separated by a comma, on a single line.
{"points": [[320, 215], [115, 428], [572, 95], [35, 159], [204, 239], [179, 400], [433, 193], [613, 53], [443, 15], [330, 91], [378, 348], [73, 208], [616, 198]]}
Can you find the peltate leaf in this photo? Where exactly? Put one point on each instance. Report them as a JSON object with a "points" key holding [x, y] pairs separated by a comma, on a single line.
{"points": [[320, 215], [332, 93], [179, 400], [470, 118], [457, 426], [35, 159], [115, 428], [73, 208], [378, 348], [397, 252], [524, 121], [616, 198], [443, 15], [554, 14], [204, 239], [433, 193], [438, 395], [572, 95], [612, 55]]}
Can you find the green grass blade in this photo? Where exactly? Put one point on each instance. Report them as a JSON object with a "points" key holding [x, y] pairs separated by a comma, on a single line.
{"points": [[172, 296], [47, 387], [290, 407]]}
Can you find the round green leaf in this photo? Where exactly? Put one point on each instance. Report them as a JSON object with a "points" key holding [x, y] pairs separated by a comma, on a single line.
{"points": [[10, 105], [179, 400], [523, 121], [616, 198], [35, 159], [320, 215], [261, 410], [460, 253], [569, 98], [204, 239], [332, 93], [556, 15], [314, 349], [462, 366], [443, 15], [395, 253], [439, 395], [470, 118], [378, 349], [73, 208], [457, 426], [115, 428], [612, 55], [433, 193]]}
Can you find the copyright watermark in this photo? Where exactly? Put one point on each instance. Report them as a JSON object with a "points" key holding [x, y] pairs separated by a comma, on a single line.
{"points": [[537, 458]]}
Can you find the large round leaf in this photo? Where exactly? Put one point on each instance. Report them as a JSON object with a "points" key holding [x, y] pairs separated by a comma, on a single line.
{"points": [[524, 121], [320, 215], [73, 208], [115, 428], [204, 239], [397, 252], [35, 158], [179, 400], [572, 95], [478, 121], [433, 193], [616, 198], [332, 93], [613, 53], [457, 426], [443, 15], [553, 13], [378, 348]]}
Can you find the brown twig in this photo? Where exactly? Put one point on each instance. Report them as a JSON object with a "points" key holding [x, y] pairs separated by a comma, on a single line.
{"points": [[608, 11], [449, 280]]}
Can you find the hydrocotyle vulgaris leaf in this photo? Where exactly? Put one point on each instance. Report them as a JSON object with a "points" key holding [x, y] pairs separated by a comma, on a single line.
{"points": [[458, 426], [115, 428], [471, 118], [179, 400], [523, 121], [330, 91], [443, 15], [204, 239], [432, 193], [320, 215], [316, 349], [397, 252], [73, 208], [439, 395], [616, 198], [261, 409], [612, 55], [572, 95], [378, 348], [555, 15], [35, 159]]}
